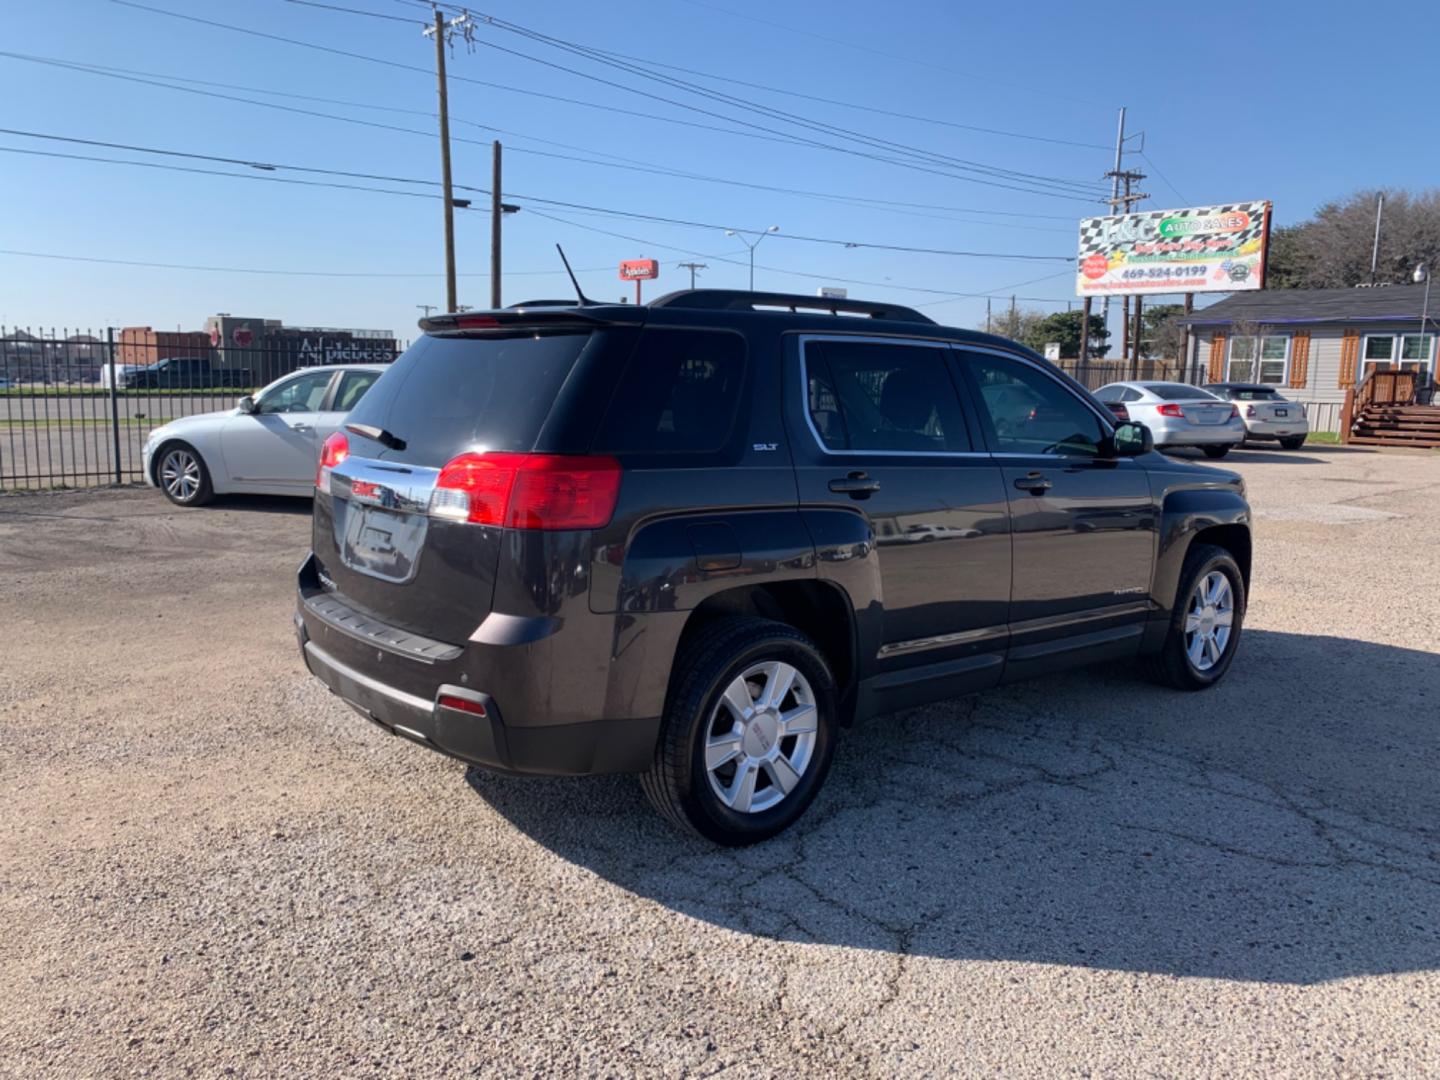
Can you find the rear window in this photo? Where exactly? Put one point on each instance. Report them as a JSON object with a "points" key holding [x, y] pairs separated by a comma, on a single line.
{"points": [[447, 395], [678, 394], [1255, 394], [1174, 391]]}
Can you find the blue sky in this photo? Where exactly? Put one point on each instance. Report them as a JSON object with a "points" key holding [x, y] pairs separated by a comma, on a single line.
{"points": [[1297, 103]]}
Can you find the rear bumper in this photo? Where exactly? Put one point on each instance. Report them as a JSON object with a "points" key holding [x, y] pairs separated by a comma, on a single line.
{"points": [[595, 746], [1277, 429], [1232, 434]]}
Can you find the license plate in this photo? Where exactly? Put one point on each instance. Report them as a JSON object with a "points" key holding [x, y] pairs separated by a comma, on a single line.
{"points": [[381, 543], [1282, 412]]}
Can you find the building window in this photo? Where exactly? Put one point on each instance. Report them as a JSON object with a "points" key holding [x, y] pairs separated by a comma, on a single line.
{"points": [[1405, 352], [1263, 358]]}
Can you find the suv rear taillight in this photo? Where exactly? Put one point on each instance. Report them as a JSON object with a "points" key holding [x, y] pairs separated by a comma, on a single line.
{"points": [[335, 450], [1169, 410], [528, 491]]}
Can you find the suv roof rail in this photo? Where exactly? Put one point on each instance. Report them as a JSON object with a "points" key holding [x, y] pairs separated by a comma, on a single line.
{"points": [[739, 300]]}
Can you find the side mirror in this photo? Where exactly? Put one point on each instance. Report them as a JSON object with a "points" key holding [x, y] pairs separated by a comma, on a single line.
{"points": [[246, 404], [1132, 440]]}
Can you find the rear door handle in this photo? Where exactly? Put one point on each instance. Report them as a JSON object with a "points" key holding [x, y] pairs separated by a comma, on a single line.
{"points": [[857, 485], [300, 427], [1034, 483]]}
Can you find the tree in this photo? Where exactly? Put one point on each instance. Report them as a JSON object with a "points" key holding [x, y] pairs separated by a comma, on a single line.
{"points": [[1065, 327], [1014, 324], [1162, 335], [1332, 249]]}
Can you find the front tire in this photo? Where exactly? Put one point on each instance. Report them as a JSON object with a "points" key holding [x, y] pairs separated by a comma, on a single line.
{"points": [[748, 732], [1205, 621], [181, 474], [1215, 453]]}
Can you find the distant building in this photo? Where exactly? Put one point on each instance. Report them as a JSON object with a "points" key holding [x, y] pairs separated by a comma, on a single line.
{"points": [[268, 346], [141, 345], [1315, 344]]}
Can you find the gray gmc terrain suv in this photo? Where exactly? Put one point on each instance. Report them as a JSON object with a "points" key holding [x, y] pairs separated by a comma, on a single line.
{"points": [[696, 539]]}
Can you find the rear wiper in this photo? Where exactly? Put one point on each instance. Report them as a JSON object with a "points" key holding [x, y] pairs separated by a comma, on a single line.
{"points": [[380, 435]]}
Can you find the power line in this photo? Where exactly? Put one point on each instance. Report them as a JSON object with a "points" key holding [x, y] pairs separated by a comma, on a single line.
{"points": [[609, 59], [630, 164], [1163, 178], [784, 137], [563, 204], [830, 277], [278, 272], [872, 50]]}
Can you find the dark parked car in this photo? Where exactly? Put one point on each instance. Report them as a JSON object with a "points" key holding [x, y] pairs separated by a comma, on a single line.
{"points": [[188, 373], [644, 539]]}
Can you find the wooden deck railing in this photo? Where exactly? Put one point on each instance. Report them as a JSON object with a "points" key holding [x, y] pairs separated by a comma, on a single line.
{"points": [[1377, 388]]}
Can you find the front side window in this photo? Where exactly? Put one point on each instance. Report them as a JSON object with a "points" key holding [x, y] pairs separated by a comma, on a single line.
{"points": [[881, 396], [1028, 412], [304, 393]]}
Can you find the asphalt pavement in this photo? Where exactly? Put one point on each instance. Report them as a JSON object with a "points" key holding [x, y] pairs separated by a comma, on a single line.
{"points": [[208, 866]]}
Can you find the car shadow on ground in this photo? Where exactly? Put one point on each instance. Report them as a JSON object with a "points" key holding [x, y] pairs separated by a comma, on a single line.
{"points": [[1244, 456], [263, 504], [1283, 827]]}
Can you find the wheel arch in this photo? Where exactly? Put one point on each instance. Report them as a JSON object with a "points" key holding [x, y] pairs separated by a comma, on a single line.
{"points": [[817, 608]]}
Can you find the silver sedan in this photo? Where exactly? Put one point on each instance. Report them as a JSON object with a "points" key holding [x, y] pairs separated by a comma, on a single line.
{"points": [[1177, 415]]}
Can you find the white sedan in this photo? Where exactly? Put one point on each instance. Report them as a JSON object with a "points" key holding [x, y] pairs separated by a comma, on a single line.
{"points": [[269, 444]]}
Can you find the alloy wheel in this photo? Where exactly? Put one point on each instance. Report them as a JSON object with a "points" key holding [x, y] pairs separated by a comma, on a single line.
{"points": [[1209, 620], [761, 737], [180, 475]]}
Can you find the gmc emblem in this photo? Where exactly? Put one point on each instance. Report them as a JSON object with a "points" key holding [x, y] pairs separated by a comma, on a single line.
{"points": [[364, 489]]}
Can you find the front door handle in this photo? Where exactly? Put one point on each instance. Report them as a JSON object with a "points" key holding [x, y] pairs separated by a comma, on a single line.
{"points": [[300, 427], [1034, 483], [857, 485]]}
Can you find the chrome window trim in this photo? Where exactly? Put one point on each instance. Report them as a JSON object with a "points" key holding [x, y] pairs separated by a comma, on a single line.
{"points": [[1106, 422]]}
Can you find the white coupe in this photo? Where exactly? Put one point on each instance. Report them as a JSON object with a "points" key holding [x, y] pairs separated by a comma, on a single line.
{"points": [[269, 444]]}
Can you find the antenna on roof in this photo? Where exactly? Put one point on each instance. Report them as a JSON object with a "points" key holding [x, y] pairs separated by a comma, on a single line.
{"points": [[584, 301]]}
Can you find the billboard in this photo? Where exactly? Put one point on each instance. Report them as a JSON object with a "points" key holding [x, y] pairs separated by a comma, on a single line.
{"points": [[639, 270], [1201, 249]]}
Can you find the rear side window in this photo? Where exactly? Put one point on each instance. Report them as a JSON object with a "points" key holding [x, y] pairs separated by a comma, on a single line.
{"points": [[679, 394], [882, 396], [1172, 391], [448, 395]]}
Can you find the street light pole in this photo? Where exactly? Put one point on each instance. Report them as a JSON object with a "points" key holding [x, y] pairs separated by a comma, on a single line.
{"points": [[741, 236], [1422, 273]]}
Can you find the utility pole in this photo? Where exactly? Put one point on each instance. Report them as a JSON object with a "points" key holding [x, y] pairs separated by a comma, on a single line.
{"points": [[1120, 204], [496, 213], [987, 315], [426, 308], [447, 190], [692, 267], [1085, 332], [1014, 320], [1114, 175]]}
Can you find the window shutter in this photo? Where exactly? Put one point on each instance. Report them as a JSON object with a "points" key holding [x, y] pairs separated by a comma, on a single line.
{"points": [[1299, 360], [1349, 358], [1217, 357]]}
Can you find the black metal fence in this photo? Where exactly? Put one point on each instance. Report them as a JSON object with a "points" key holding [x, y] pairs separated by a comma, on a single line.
{"points": [[75, 408]]}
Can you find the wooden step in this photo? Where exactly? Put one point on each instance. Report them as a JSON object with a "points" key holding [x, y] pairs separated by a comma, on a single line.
{"points": [[1398, 425], [1389, 440], [1419, 412]]}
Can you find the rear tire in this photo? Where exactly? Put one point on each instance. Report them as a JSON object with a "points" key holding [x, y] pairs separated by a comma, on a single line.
{"points": [[1177, 663], [181, 474], [1294, 442], [1215, 453], [733, 763]]}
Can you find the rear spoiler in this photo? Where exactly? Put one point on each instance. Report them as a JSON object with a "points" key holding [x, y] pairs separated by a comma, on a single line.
{"points": [[511, 319]]}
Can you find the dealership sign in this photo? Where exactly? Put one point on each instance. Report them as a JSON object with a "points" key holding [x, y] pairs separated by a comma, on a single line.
{"points": [[1202, 249], [639, 270]]}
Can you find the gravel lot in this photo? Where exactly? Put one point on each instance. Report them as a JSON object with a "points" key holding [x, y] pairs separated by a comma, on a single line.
{"points": [[208, 866]]}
